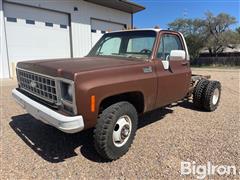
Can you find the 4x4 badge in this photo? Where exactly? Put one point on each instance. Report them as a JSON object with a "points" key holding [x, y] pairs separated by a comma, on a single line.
{"points": [[147, 69]]}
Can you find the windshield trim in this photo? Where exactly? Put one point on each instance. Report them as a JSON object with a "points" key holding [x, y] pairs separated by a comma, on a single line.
{"points": [[95, 47], [120, 57]]}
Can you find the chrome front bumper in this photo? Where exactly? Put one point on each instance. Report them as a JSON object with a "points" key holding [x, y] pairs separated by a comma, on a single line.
{"points": [[66, 124]]}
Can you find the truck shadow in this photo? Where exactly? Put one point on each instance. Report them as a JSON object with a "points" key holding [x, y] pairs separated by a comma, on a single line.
{"points": [[185, 103], [55, 146]]}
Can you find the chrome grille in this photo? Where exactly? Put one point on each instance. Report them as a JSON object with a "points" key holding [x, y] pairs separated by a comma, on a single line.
{"points": [[38, 85]]}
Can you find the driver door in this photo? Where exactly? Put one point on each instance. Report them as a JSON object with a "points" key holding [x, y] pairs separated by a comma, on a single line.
{"points": [[173, 82]]}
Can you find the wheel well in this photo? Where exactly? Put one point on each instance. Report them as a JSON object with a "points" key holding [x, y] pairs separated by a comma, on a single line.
{"points": [[135, 98]]}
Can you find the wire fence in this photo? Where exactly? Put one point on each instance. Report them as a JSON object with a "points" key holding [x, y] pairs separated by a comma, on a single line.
{"points": [[218, 61]]}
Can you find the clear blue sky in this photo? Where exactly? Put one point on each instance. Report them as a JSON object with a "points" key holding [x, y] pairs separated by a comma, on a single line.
{"points": [[161, 12]]}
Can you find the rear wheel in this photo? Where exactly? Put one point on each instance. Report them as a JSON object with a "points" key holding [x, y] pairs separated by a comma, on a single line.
{"points": [[212, 96], [115, 130], [198, 93]]}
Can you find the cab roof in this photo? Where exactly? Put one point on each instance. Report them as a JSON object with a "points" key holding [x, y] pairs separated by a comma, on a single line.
{"points": [[143, 29]]}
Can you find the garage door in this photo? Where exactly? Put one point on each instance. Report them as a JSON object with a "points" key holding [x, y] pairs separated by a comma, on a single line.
{"points": [[34, 33], [99, 27]]}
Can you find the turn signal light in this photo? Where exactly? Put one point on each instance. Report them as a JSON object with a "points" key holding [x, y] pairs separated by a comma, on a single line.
{"points": [[93, 103]]}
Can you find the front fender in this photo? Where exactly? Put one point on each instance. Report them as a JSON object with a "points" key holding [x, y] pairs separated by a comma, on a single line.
{"points": [[110, 82]]}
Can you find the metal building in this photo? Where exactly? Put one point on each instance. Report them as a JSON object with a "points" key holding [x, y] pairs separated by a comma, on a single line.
{"points": [[41, 29]]}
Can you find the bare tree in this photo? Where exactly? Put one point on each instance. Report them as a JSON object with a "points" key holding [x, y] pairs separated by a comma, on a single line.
{"points": [[212, 32], [218, 33]]}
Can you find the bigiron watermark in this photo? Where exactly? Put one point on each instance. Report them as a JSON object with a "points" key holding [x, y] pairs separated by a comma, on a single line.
{"points": [[209, 169]]}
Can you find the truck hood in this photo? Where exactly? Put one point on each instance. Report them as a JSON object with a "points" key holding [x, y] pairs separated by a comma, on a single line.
{"points": [[68, 68]]}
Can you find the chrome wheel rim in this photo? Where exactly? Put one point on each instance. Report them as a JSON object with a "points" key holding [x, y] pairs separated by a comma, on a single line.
{"points": [[215, 96], [122, 131]]}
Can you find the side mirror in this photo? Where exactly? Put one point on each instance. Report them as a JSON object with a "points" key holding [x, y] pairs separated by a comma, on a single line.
{"points": [[177, 55]]}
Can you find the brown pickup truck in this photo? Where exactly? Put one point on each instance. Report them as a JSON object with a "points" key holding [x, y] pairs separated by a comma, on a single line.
{"points": [[127, 73]]}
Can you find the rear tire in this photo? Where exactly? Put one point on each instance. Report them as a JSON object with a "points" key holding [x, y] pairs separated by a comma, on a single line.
{"points": [[198, 93], [212, 96], [115, 130]]}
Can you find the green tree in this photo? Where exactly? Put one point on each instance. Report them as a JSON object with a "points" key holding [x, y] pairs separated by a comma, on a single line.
{"points": [[188, 26], [238, 30], [192, 30]]}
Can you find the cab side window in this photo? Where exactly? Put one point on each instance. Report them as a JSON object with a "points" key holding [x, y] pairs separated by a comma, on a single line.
{"points": [[168, 43]]}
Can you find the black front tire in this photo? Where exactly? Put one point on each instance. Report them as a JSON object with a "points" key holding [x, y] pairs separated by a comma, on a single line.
{"points": [[103, 133]]}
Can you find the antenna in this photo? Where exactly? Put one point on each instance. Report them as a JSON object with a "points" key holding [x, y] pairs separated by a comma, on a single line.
{"points": [[185, 13]]}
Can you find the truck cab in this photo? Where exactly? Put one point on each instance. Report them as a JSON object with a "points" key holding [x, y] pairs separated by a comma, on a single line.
{"points": [[164, 56]]}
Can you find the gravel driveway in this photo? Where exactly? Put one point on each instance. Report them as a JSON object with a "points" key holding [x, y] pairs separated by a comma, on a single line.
{"points": [[30, 149]]}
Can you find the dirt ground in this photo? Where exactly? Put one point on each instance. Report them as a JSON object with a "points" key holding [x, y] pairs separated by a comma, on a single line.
{"points": [[166, 137]]}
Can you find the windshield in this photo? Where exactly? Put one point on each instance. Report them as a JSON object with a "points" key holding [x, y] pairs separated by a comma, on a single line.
{"points": [[129, 44]]}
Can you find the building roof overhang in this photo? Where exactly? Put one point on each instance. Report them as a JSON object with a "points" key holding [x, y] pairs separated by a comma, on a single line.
{"points": [[122, 5]]}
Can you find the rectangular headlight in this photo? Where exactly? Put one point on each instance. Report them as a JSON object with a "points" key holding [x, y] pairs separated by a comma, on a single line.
{"points": [[66, 91]]}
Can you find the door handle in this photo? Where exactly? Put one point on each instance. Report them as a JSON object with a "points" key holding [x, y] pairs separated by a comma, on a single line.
{"points": [[184, 63]]}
